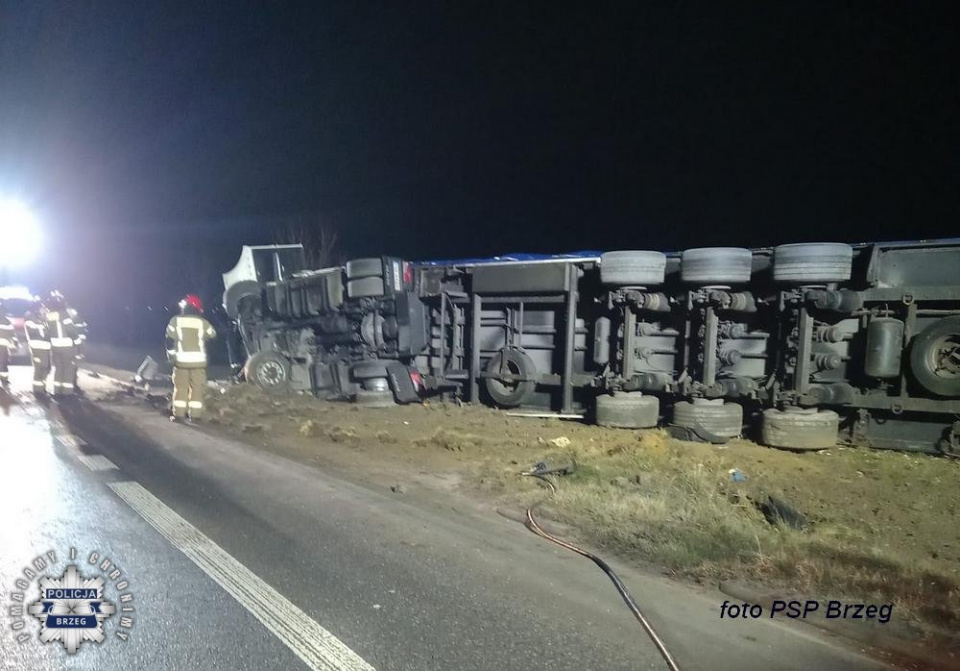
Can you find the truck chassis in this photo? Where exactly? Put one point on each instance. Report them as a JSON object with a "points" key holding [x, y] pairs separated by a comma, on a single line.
{"points": [[799, 345]]}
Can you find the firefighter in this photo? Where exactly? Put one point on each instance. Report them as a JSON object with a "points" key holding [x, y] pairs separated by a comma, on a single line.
{"points": [[81, 331], [38, 341], [187, 334], [8, 341], [63, 335]]}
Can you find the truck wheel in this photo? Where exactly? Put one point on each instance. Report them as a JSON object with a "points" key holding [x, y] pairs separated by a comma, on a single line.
{"points": [[510, 393], [632, 268], [365, 287], [935, 357], [628, 410], [366, 370], [364, 268], [800, 428], [708, 421], [812, 263], [269, 371], [374, 398], [716, 265]]}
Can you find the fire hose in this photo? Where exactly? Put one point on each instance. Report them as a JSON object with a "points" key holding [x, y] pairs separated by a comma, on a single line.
{"points": [[540, 472]]}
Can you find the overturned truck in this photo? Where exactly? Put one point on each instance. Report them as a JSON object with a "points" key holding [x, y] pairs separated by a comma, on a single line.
{"points": [[800, 345]]}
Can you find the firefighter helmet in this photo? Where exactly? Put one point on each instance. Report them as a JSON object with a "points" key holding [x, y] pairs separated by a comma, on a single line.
{"points": [[192, 301]]}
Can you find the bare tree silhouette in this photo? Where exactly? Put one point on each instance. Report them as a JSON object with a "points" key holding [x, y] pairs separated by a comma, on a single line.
{"points": [[320, 240]]}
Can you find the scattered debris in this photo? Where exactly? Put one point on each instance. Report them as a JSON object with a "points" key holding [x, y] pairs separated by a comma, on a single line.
{"points": [[147, 372], [253, 428], [779, 512], [543, 468], [736, 475], [398, 489], [562, 441]]}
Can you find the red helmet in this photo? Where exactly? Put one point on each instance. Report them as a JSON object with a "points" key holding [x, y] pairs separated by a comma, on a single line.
{"points": [[193, 301]]}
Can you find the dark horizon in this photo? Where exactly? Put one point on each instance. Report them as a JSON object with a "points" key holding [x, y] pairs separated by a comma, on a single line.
{"points": [[434, 131]]}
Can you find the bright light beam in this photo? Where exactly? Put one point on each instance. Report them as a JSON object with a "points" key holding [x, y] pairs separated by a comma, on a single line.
{"points": [[19, 234]]}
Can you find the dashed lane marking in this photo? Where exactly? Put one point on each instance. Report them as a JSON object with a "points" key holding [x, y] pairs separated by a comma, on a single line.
{"points": [[68, 440], [97, 462], [316, 646]]}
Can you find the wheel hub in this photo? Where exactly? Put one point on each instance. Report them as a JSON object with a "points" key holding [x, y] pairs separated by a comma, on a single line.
{"points": [[946, 356], [270, 373]]}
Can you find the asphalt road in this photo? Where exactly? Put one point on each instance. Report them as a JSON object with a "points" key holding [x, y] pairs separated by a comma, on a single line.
{"points": [[239, 559]]}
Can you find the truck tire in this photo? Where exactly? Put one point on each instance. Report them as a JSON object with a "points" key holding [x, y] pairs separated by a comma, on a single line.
{"points": [[812, 263], [709, 421], [366, 370], [935, 357], [364, 268], [628, 410], [269, 371], [365, 287], [374, 399], [716, 265], [800, 428], [505, 393], [632, 268]]}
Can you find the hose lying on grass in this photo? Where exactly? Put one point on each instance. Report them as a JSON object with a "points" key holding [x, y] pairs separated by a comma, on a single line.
{"points": [[540, 472]]}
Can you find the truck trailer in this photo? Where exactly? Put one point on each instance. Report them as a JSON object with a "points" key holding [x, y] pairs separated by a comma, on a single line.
{"points": [[799, 346]]}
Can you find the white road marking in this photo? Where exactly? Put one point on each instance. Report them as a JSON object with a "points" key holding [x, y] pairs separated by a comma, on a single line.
{"points": [[97, 462], [316, 646], [68, 440]]}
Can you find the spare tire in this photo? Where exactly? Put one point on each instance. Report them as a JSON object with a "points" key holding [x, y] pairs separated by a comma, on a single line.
{"points": [[269, 371], [800, 428], [366, 287], [812, 263], [510, 393], [364, 268], [632, 268], [711, 421], [935, 357], [628, 410], [716, 265]]}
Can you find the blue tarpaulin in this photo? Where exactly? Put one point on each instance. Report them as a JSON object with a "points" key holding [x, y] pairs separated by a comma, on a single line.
{"points": [[520, 256]]}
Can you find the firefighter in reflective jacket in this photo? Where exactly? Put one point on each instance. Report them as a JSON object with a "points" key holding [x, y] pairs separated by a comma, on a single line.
{"points": [[81, 331], [8, 341], [187, 334], [64, 338], [38, 341]]}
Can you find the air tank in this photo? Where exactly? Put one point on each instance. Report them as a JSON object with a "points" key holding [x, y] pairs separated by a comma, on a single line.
{"points": [[884, 347], [601, 340]]}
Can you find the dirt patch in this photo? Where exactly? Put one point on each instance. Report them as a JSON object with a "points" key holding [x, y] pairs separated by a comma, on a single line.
{"points": [[880, 526], [451, 439]]}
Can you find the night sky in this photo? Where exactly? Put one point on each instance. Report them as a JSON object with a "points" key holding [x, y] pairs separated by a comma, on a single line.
{"points": [[157, 138]]}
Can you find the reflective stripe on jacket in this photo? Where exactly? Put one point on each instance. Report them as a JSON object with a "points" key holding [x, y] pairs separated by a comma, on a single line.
{"points": [[8, 338], [189, 334], [61, 329], [36, 330]]}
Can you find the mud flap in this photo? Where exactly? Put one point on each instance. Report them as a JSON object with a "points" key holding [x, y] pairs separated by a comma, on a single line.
{"points": [[403, 387]]}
